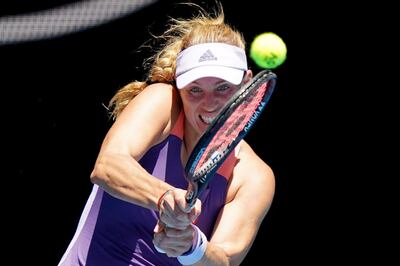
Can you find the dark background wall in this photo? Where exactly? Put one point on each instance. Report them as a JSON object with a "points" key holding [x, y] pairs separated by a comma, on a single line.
{"points": [[53, 92]]}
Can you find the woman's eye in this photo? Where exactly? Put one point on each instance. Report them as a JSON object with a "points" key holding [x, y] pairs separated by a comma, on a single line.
{"points": [[223, 88], [195, 90]]}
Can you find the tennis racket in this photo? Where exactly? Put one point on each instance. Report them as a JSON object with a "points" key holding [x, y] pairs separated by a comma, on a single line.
{"points": [[230, 126]]}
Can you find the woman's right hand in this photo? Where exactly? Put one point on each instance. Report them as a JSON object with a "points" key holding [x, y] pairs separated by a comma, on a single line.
{"points": [[175, 212]]}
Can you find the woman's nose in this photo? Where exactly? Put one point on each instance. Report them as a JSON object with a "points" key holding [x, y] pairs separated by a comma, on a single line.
{"points": [[210, 102]]}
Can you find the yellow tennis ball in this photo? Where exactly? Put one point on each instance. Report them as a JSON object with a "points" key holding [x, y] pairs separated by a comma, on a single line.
{"points": [[268, 50]]}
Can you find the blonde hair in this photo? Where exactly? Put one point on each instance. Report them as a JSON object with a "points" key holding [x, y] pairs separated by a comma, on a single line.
{"points": [[182, 33]]}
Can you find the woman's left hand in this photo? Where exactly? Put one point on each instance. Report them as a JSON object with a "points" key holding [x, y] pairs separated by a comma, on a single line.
{"points": [[173, 242]]}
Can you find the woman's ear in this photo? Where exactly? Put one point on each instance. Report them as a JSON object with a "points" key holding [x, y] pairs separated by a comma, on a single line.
{"points": [[248, 76]]}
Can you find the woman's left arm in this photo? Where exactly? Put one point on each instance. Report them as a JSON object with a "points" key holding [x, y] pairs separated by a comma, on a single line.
{"points": [[249, 198]]}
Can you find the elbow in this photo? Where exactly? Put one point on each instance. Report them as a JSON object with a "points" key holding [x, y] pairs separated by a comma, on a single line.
{"points": [[94, 177], [224, 254], [98, 175]]}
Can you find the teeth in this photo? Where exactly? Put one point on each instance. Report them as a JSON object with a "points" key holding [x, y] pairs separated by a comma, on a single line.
{"points": [[207, 119]]}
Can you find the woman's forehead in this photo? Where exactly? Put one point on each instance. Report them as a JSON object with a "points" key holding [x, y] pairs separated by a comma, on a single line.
{"points": [[209, 81]]}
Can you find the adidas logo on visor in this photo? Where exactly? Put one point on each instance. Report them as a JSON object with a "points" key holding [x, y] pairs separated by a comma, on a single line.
{"points": [[207, 56]]}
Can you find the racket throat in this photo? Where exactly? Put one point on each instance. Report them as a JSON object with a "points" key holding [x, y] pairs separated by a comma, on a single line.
{"points": [[209, 165]]}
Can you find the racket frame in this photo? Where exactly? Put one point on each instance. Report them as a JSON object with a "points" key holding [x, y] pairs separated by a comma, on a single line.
{"points": [[198, 182]]}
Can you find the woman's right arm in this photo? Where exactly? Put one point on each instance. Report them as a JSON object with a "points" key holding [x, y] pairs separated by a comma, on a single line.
{"points": [[145, 121]]}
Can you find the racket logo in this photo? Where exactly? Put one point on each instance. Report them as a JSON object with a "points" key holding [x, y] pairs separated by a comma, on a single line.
{"points": [[255, 116]]}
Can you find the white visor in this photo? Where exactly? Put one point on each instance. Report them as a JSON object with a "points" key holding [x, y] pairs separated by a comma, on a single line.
{"points": [[218, 60]]}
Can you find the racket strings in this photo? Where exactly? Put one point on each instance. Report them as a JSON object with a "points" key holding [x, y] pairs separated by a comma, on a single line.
{"points": [[227, 134], [234, 125]]}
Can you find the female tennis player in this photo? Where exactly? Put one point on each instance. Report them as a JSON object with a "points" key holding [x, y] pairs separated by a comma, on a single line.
{"points": [[137, 213]]}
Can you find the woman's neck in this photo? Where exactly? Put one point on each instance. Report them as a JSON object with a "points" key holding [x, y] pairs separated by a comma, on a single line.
{"points": [[190, 138]]}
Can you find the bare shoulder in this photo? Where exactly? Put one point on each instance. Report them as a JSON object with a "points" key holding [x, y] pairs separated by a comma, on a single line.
{"points": [[252, 161], [156, 104], [158, 93], [161, 89], [145, 121], [251, 176]]}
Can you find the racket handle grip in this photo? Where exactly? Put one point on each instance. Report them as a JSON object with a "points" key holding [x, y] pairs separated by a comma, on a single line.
{"points": [[190, 198], [191, 194]]}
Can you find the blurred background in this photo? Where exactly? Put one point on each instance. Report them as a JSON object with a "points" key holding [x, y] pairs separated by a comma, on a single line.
{"points": [[62, 61]]}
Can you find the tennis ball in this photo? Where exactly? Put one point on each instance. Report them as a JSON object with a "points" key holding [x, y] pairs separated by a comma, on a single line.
{"points": [[268, 50]]}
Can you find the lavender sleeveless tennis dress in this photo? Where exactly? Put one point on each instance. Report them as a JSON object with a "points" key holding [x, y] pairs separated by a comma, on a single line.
{"points": [[112, 232]]}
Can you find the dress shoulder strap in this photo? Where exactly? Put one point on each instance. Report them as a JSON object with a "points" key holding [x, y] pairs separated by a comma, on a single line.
{"points": [[177, 129]]}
